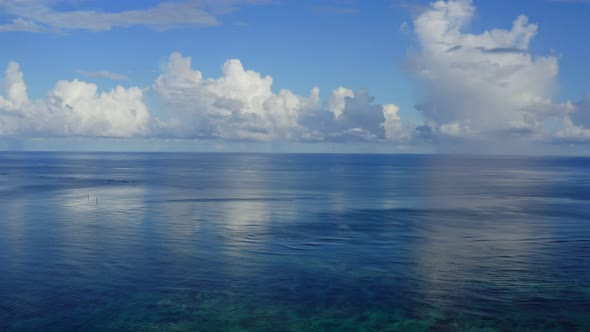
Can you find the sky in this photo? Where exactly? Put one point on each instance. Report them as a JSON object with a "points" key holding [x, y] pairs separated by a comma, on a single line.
{"points": [[387, 76]]}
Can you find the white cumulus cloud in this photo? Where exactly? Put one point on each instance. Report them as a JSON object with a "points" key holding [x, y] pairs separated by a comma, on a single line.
{"points": [[14, 86], [481, 84], [337, 101], [71, 108], [240, 105], [576, 127]]}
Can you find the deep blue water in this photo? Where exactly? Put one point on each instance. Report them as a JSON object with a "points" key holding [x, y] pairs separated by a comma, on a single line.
{"points": [[255, 242]]}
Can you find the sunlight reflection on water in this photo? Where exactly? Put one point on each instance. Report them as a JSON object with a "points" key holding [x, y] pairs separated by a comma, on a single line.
{"points": [[304, 242]]}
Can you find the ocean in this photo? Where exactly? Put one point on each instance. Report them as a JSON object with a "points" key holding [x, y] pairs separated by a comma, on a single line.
{"points": [[293, 242]]}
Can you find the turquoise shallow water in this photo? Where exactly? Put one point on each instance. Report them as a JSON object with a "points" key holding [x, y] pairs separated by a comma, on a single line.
{"points": [[254, 242]]}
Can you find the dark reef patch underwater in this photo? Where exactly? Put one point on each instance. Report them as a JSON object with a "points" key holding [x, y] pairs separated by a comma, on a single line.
{"points": [[256, 242]]}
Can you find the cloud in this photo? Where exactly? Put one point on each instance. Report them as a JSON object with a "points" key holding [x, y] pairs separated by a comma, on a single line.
{"points": [[20, 24], [240, 105], [576, 127], [337, 102], [404, 27], [481, 84], [14, 86], [571, 133], [353, 116], [393, 123], [40, 15], [71, 108], [581, 115], [104, 74]]}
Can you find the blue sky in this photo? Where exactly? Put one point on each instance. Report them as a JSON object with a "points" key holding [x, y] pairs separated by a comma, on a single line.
{"points": [[532, 91]]}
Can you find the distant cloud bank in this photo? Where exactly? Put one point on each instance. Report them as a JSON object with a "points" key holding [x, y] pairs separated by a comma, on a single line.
{"points": [[483, 87], [238, 106]]}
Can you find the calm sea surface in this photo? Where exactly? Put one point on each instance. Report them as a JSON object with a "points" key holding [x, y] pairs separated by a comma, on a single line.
{"points": [[254, 242]]}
